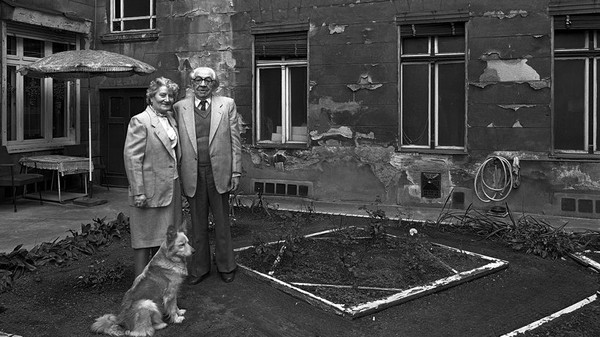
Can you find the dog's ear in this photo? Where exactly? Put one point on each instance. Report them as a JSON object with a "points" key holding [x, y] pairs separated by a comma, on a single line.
{"points": [[171, 234]]}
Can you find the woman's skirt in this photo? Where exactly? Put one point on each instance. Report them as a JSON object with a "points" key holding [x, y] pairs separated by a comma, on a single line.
{"points": [[149, 225]]}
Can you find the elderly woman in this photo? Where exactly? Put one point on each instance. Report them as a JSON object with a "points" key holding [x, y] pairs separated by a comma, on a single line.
{"points": [[151, 164]]}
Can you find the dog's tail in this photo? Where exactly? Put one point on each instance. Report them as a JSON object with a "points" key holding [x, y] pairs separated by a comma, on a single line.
{"points": [[107, 324]]}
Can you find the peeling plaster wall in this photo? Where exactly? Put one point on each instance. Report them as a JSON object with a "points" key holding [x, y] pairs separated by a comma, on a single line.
{"points": [[353, 95], [191, 34], [352, 111], [353, 114]]}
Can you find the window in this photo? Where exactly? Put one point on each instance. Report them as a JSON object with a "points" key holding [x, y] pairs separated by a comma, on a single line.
{"points": [[132, 15], [281, 88], [432, 82], [576, 79], [37, 113]]}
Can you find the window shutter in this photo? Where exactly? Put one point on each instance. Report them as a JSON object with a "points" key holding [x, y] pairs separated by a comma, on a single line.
{"points": [[432, 29], [287, 44], [584, 21]]}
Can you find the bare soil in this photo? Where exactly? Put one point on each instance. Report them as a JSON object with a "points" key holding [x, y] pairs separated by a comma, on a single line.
{"points": [[50, 302], [347, 257]]}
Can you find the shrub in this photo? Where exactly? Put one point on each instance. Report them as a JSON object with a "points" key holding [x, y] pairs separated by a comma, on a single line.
{"points": [[97, 234]]}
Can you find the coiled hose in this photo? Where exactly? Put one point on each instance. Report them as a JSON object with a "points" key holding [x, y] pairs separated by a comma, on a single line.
{"points": [[494, 179]]}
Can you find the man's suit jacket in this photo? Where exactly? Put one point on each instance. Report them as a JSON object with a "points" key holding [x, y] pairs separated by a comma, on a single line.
{"points": [[224, 143], [149, 161]]}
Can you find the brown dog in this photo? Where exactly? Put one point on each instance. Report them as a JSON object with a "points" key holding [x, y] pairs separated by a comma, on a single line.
{"points": [[153, 293]]}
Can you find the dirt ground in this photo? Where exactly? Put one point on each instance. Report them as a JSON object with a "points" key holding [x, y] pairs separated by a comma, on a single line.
{"points": [[48, 302]]}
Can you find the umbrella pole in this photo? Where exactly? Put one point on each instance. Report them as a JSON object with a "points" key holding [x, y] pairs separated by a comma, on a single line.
{"points": [[89, 182]]}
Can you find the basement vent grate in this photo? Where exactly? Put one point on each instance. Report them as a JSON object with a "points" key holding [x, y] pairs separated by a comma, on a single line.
{"points": [[580, 205], [283, 188]]}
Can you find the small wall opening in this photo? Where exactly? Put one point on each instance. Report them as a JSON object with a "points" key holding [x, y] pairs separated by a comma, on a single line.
{"points": [[283, 187], [431, 183]]}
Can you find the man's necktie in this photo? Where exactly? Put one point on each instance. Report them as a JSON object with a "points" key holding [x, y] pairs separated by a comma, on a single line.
{"points": [[203, 105]]}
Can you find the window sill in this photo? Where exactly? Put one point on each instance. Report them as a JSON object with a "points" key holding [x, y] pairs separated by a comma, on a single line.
{"points": [[435, 151], [281, 146], [138, 36], [575, 156]]}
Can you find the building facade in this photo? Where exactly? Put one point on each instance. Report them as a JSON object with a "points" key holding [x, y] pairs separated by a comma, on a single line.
{"points": [[409, 103]]}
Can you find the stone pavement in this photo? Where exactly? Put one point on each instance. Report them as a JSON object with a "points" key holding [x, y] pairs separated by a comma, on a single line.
{"points": [[33, 223]]}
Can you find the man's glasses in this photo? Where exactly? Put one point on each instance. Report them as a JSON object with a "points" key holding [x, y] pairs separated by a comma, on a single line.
{"points": [[199, 80]]}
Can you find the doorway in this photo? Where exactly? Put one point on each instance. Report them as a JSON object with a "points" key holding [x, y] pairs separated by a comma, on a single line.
{"points": [[117, 106]]}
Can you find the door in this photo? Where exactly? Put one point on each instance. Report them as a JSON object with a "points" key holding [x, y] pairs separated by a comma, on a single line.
{"points": [[117, 106]]}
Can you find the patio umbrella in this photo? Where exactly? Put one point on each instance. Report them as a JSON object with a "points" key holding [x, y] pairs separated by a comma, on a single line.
{"points": [[87, 63]]}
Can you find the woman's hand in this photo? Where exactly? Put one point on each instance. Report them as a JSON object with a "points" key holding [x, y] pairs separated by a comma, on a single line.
{"points": [[140, 200], [235, 183]]}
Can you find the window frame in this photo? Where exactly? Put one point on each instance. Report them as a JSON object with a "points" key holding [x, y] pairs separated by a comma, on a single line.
{"points": [[284, 62], [433, 59], [123, 19], [72, 108], [591, 57], [286, 127]]}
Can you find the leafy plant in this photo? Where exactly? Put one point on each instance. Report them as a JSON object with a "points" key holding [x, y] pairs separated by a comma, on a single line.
{"points": [[526, 234], [13, 265], [264, 251], [377, 224], [100, 274], [260, 205], [97, 234]]}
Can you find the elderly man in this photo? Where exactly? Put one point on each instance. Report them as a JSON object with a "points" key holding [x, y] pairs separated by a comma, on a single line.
{"points": [[211, 167]]}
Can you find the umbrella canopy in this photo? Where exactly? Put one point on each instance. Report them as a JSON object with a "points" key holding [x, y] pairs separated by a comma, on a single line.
{"points": [[74, 64], [86, 63]]}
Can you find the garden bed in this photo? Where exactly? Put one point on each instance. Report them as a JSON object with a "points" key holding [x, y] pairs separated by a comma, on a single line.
{"points": [[352, 272], [588, 258]]}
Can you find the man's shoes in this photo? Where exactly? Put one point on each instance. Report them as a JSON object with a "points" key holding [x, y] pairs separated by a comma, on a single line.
{"points": [[197, 279], [228, 277]]}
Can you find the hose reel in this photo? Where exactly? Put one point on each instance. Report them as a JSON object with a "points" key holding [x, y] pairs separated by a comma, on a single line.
{"points": [[495, 178]]}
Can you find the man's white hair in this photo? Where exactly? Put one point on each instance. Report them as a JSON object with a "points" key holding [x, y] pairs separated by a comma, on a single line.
{"points": [[198, 70]]}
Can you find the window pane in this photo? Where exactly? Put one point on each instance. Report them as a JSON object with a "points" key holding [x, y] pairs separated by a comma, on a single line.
{"points": [[136, 8], [597, 144], [62, 97], [451, 104], [33, 48], [415, 45], [11, 103], [32, 108], [569, 104], [117, 8], [136, 24], [116, 26], [11, 45], [450, 44], [270, 104], [573, 39], [298, 103], [415, 104], [60, 47]]}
